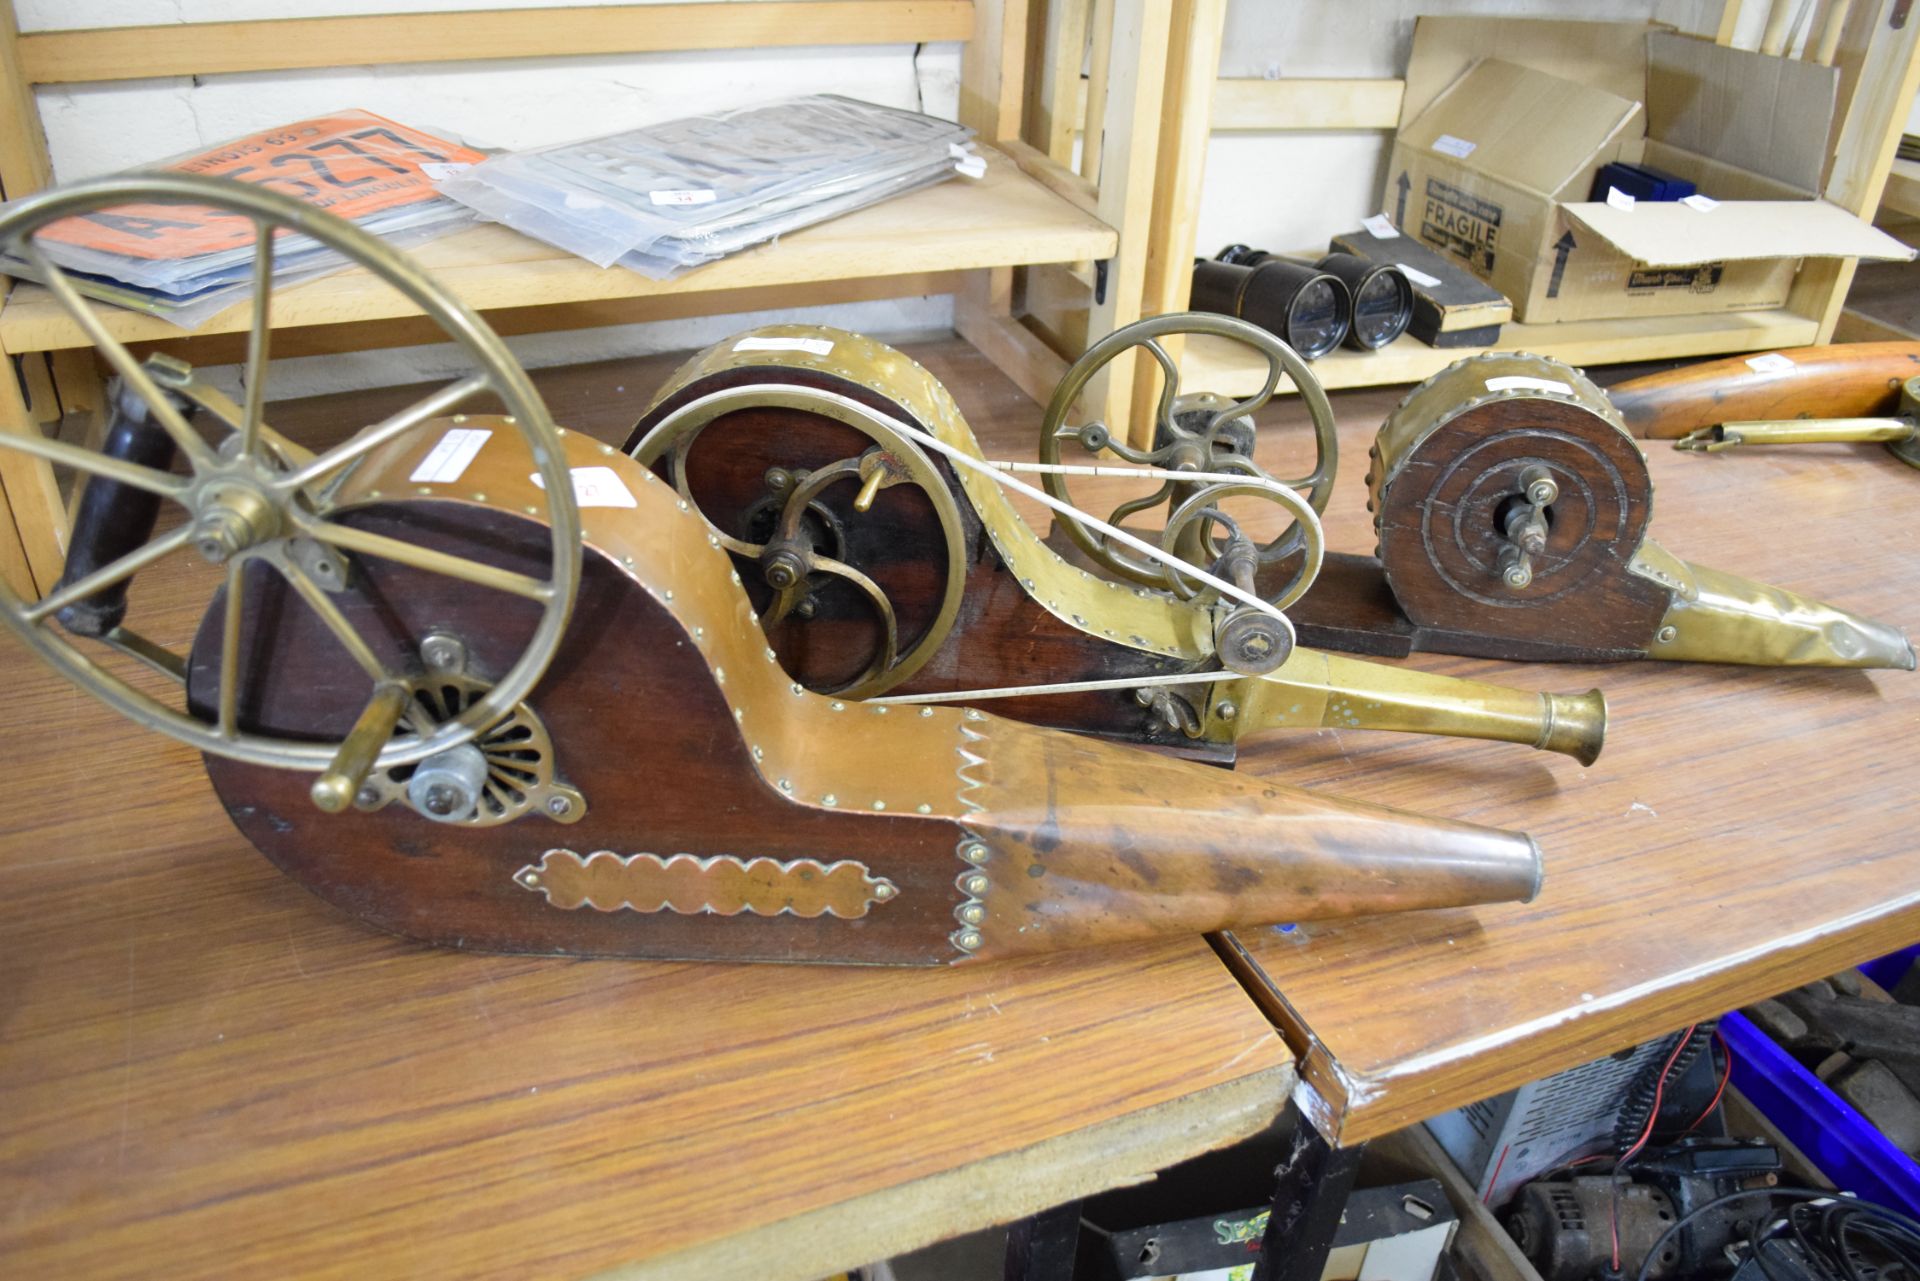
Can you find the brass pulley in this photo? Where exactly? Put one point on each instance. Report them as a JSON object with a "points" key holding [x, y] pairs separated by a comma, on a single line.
{"points": [[845, 532], [1209, 436]]}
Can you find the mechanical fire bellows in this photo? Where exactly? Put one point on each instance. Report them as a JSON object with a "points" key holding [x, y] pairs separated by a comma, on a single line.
{"points": [[1512, 510], [887, 560], [549, 725]]}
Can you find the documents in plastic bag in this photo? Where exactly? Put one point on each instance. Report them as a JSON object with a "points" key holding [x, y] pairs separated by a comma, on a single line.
{"points": [[672, 196], [185, 262]]}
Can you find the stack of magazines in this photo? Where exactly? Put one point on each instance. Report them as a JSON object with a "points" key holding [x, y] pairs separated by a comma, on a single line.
{"points": [[186, 262], [671, 196]]}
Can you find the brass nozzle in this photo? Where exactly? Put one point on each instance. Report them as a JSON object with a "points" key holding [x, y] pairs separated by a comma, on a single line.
{"points": [[1575, 725]]}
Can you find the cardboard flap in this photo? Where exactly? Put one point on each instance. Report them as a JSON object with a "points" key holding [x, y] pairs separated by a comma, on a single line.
{"points": [[1677, 235], [1768, 115], [1606, 55], [1519, 125]]}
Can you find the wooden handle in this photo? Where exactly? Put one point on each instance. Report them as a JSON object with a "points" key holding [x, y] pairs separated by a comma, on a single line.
{"points": [[1851, 380], [113, 519]]}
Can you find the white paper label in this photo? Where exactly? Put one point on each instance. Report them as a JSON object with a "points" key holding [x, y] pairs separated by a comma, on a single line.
{"points": [[704, 196], [1619, 199], [972, 166], [447, 461], [1519, 382], [812, 346], [1459, 148], [1771, 363], [1380, 227], [1704, 204], [596, 487], [441, 170], [1417, 276]]}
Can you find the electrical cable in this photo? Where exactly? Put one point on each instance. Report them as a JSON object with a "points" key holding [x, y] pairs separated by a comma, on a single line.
{"points": [[1726, 1078], [1653, 1117], [1830, 1245], [1660, 1242]]}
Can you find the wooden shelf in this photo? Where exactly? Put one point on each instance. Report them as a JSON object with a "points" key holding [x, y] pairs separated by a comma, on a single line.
{"points": [[1214, 364], [1004, 219]]}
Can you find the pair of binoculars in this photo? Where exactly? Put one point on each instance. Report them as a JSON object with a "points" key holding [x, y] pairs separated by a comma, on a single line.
{"points": [[1312, 307]]}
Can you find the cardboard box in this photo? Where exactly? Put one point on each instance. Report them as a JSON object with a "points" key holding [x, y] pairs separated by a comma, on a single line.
{"points": [[1495, 166]]}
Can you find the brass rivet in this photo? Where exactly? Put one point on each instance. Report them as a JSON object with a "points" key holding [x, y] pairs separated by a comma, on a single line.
{"points": [[973, 914], [975, 883], [879, 805], [883, 890], [1668, 635], [925, 809], [829, 800], [967, 940], [974, 852]]}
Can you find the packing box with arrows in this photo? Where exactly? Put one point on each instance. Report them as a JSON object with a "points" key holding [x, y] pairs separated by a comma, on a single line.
{"points": [[1495, 157]]}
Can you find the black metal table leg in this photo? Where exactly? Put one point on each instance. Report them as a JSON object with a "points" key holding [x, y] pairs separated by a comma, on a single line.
{"points": [[1042, 1248], [1310, 1193]]}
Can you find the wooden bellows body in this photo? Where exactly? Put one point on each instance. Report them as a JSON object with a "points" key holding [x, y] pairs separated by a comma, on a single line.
{"points": [[726, 812]]}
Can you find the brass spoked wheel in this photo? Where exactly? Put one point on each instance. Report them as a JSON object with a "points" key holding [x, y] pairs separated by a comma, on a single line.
{"points": [[1206, 434], [819, 519], [241, 492]]}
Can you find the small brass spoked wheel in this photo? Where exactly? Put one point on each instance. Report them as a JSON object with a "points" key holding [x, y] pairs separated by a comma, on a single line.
{"points": [[820, 517], [243, 493], [1209, 435]]}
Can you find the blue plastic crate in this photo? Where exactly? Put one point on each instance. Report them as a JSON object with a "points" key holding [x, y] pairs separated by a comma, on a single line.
{"points": [[1891, 968], [1842, 1143]]}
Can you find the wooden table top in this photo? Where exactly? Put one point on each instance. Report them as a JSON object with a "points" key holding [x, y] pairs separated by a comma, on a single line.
{"points": [[1745, 831], [206, 1072]]}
